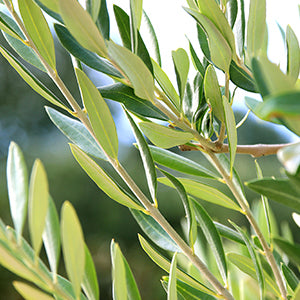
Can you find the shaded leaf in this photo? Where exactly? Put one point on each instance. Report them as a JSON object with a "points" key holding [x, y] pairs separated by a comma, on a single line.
{"points": [[73, 246], [6, 25], [233, 11], [293, 58], [203, 42], [290, 277], [99, 114], [291, 250], [172, 287], [125, 95], [229, 233], [104, 182], [30, 293], [196, 61], [82, 27], [93, 8], [17, 183], [87, 57], [37, 204], [38, 29], [103, 20], [204, 192], [51, 4], [50, 12]]}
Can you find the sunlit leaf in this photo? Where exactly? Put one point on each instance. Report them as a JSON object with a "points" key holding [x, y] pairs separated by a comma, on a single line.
{"points": [[51, 4], [297, 293], [93, 7], [293, 61], [30, 293], [289, 156], [229, 233], [104, 182], [38, 29], [73, 246], [17, 183], [172, 287], [82, 27], [240, 28], [136, 12], [7, 27]]}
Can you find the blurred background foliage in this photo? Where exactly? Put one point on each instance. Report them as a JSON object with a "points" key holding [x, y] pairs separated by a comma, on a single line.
{"points": [[23, 120]]}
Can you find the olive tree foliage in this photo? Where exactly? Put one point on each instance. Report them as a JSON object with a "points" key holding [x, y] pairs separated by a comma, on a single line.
{"points": [[195, 115]]}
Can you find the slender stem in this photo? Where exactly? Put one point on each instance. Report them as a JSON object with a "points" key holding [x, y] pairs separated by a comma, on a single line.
{"points": [[245, 207]]}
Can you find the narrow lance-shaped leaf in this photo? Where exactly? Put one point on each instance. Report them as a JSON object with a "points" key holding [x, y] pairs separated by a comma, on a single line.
{"points": [[181, 64], [146, 158], [51, 237], [30, 293], [17, 183], [82, 27], [73, 246], [103, 20], [240, 28], [124, 285], [172, 287], [135, 69], [7, 28], [290, 277], [136, 11], [104, 182], [196, 61], [38, 29], [93, 7], [231, 130], [163, 136], [292, 250], [293, 50], [38, 205], [51, 4], [99, 114], [90, 282], [54, 14], [213, 238], [31, 80]]}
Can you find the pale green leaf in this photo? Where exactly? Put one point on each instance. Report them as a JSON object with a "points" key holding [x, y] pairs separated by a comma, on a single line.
{"points": [[293, 59], [99, 114], [231, 130], [38, 204], [17, 183], [213, 93], [73, 246], [165, 83], [172, 288], [51, 4], [204, 192], [30, 293], [93, 7], [220, 51], [8, 28], [104, 182], [135, 69], [51, 237], [297, 293], [164, 137], [82, 27], [136, 11], [256, 27], [38, 29], [289, 156], [181, 64]]}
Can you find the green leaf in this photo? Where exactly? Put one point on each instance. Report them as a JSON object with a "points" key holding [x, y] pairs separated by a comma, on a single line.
{"points": [[38, 29], [51, 237], [291, 250], [229, 233], [172, 288], [241, 78], [196, 61], [179, 163], [220, 51], [104, 182], [233, 11], [297, 293], [50, 12], [31, 80], [125, 95], [181, 65], [245, 264], [6, 25], [289, 156], [103, 20], [240, 27], [135, 69], [163, 136], [290, 277], [37, 204], [51, 4], [73, 246], [212, 92], [147, 159], [76, 132], [165, 265], [256, 27], [203, 42], [90, 282], [30, 293], [93, 7], [278, 190], [254, 258], [231, 130], [212, 11], [82, 27], [293, 58], [136, 12], [124, 285], [17, 183], [165, 83], [204, 192], [99, 115], [213, 238], [87, 57], [154, 231]]}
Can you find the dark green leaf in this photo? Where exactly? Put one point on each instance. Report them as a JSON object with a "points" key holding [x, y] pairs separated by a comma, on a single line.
{"points": [[179, 163], [291, 250], [87, 57], [48, 9], [50, 4], [290, 277], [278, 190], [196, 61], [233, 11], [103, 20], [125, 95], [203, 42], [76, 132], [154, 231], [229, 233], [259, 77]]}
